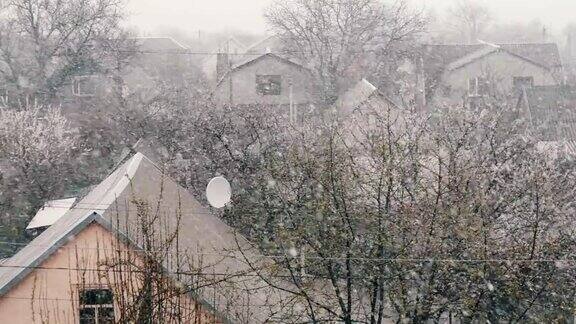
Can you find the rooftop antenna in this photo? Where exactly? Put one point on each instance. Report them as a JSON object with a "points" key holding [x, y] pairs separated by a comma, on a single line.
{"points": [[218, 192]]}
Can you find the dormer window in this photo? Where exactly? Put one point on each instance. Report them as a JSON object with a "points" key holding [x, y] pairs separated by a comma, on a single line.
{"points": [[478, 86], [269, 85]]}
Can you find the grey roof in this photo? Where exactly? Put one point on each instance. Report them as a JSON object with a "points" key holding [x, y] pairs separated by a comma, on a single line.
{"points": [[159, 44], [551, 111], [266, 45], [200, 230], [254, 60], [543, 54]]}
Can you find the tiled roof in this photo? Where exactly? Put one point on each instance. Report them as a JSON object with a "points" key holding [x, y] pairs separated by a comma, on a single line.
{"points": [[552, 111]]}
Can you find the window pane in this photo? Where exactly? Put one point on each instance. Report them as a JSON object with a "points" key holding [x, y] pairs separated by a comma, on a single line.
{"points": [[269, 84], [105, 315], [96, 297], [482, 86], [87, 316]]}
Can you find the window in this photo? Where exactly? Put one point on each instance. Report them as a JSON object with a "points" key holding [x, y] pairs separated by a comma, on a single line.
{"points": [[96, 306], [478, 86], [269, 85], [523, 82], [84, 86]]}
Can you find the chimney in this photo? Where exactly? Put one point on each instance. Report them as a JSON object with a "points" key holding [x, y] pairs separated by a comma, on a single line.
{"points": [[222, 65]]}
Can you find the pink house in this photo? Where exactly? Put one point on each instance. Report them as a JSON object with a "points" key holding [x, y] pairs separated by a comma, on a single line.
{"points": [[95, 263]]}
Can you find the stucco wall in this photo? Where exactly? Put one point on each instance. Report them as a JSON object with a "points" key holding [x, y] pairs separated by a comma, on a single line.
{"points": [[500, 68], [49, 294], [243, 84]]}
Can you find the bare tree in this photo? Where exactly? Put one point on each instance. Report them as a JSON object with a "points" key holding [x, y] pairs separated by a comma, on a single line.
{"points": [[334, 37], [45, 42], [471, 18]]}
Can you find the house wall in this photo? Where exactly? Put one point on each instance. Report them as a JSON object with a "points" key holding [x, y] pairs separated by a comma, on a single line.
{"points": [[49, 294], [242, 84], [500, 68]]}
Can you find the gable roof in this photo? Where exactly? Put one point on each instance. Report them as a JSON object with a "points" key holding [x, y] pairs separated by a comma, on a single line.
{"points": [[231, 45], [438, 57], [159, 44], [199, 231], [266, 45], [257, 60], [551, 111]]}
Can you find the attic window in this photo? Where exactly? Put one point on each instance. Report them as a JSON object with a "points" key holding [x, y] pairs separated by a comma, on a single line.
{"points": [[478, 86], [269, 85], [96, 306], [84, 86], [523, 82]]}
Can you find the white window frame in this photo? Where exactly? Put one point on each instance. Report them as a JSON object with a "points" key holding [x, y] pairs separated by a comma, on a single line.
{"points": [[476, 88], [96, 307]]}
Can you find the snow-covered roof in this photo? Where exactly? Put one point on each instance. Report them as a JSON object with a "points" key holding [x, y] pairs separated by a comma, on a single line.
{"points": [[52, 211]]}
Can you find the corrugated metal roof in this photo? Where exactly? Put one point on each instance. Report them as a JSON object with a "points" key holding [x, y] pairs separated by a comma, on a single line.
{"points": [[51, 212]]}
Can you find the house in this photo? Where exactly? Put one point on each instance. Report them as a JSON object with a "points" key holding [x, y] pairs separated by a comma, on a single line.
{"points": [[267, 79], [466, 73], [88, 265]]}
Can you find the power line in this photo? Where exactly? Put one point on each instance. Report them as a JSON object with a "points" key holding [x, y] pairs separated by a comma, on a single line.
{"points": [[235, 253], [76, 300]]}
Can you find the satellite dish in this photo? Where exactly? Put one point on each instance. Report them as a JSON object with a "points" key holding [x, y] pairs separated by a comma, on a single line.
{"points": [[218, 192]]}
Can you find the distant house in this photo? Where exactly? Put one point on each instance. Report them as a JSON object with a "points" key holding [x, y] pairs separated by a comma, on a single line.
{"points": [[464, 73], [151, 63], [78, 269], [267, 79]]}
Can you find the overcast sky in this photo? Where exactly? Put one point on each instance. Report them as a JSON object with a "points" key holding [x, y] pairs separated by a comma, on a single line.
{"points": [[246, 15]]}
